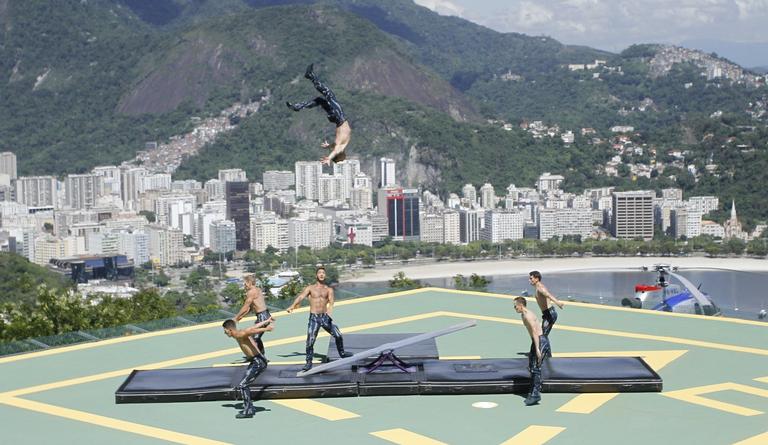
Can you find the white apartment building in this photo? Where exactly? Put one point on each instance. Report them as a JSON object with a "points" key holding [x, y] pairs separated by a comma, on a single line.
{"points": [[308, 179], [561, 222], [502, 225], [312, 232], [232, 175], [223, 236], [166, 245], [278, 180], [269, 230], [37, 191], [487, 196], [387, 170]]}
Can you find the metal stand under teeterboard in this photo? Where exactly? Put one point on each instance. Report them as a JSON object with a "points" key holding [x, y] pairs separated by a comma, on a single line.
{"points": [[384, 357]]}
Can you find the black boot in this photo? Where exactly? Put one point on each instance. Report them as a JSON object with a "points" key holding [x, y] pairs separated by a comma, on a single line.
{"points": [[309, 74], [307, 366], [534, 396], [292, 106], [340, 348]]}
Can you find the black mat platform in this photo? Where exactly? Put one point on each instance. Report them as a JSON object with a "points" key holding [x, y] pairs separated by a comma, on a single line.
{"points": [[356, 343], [485, 376]]}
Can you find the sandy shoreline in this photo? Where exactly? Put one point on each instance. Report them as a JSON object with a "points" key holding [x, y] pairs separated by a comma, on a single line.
{"points": [[545, 265]]}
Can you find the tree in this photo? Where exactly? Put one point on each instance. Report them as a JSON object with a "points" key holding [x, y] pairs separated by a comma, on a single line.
{"points": [[400, 281], [291, 289]]}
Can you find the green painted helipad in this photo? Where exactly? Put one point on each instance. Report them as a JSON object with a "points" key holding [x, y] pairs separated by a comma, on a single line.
{"points": [[715, 373]]}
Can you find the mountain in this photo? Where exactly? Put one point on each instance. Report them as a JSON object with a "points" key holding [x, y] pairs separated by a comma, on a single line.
{"points": [[88, 83]]}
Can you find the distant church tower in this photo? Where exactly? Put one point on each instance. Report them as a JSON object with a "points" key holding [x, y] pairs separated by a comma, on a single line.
{"points": [[733, 226]]}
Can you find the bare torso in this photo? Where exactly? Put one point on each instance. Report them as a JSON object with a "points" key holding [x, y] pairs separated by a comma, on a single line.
{"points": [[247, 346], [531, 323], [256, 298], [541, 297], [318, 298]]}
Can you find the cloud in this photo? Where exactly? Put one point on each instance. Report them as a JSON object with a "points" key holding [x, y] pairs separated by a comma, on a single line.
{"points": [[616, 24], [443, 7]]}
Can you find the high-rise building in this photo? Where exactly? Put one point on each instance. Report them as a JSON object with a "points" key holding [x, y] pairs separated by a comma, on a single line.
{"points": [[562, 222], [432, 228], [361, 180], [451, 227], [170, 209], [223, 236], [8, 164], [82, 190], [36, 191], [308, 179], [131, 186], [487, 196], [110, 180], [704, 204], [502, 225], [214, 189], [672, 194], [355, 231], [549, 182], [186, 185], [134, 245], [238, 210], [211, 211], [166, 245], [330, 188], [312, 232], [157, 181], [403, 214], [470, 223], [633, 215], [469, 192], [347, 169], [387, 170], [269, 230], [278, 180], [361, 199], [232, 175]]}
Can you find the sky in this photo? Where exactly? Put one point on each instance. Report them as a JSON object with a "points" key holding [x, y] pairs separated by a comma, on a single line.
{"points": [[736, 29]]}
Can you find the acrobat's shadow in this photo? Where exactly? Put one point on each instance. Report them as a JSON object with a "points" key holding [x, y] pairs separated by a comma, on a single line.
{"points": [[240, 407]]}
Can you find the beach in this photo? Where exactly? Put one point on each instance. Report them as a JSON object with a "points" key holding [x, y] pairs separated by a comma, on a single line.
{"points": [[546, 265]]}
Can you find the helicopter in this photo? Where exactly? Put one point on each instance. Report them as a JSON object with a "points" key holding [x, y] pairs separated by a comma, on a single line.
{"points": [[668, 297]]}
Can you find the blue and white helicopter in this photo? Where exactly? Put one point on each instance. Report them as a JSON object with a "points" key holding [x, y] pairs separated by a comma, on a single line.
{"points": [[665, 296]]}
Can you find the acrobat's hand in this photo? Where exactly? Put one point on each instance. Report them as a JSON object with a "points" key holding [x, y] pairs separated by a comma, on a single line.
{"points": [[560, 304], [325, 160], [289, 310], [325, 144]]}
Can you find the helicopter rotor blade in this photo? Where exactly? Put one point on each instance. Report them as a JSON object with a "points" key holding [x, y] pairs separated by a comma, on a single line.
{"points": [[697, 294]]}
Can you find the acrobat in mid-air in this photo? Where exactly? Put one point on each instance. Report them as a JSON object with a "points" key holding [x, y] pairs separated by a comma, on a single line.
{"points": [[333, 109]]}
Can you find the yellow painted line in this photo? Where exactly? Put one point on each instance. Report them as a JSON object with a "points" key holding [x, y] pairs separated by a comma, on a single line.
{"points": [[762, 379], [200, 357], [108, 422], [534, 435], [694, 395], [588, 403], [215, 324], [760, 439], [606, 308], [612, 333], [402, 436], [317, 409], [655, 359]]}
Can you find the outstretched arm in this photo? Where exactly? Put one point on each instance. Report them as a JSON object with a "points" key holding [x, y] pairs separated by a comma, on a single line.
{"points": [[245, 309], [264, 326], [551, 297], [297, 301]]}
